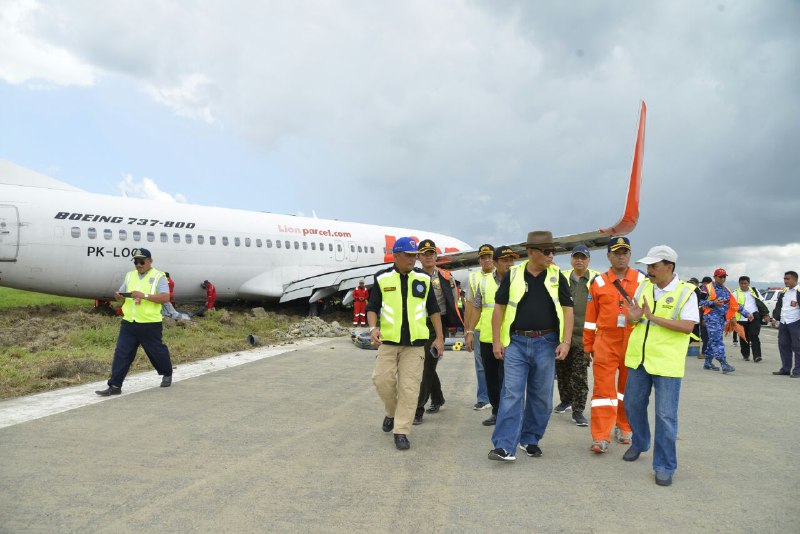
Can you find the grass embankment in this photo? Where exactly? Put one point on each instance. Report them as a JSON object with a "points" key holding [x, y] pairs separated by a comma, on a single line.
{"points": [[49, 342]]}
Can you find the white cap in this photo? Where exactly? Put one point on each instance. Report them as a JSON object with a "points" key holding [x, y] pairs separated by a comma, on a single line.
{"points": [[659, 253]]}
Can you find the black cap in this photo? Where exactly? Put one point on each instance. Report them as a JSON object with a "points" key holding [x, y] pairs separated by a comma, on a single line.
{"points": [[425, 245], [504, 252], [485, 250], [581, 249], [694, 280], [617, 243], [139, 253]]}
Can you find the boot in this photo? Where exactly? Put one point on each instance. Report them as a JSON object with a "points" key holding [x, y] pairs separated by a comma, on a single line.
{"points": [[726, 367], [710, 365]]}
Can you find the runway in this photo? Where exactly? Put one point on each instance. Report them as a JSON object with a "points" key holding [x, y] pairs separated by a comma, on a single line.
{"points": [[292, 443]]}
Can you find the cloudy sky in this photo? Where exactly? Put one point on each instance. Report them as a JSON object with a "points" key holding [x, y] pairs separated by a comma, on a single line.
{"points": [[478, 119]]}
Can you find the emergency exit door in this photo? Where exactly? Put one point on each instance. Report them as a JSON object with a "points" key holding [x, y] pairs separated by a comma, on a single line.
{"points": [[9, 233]]}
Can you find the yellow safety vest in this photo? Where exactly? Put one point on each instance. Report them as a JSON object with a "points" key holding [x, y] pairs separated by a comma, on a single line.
{"points": [[392, 306], [517, 291], [661, 350], [146, 311], [488, 289], [589, 272], [740, 299]]}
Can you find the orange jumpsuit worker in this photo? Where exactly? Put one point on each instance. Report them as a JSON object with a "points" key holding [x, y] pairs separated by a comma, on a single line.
{"points": [[360, 298], [211, 294], [605, 338]]}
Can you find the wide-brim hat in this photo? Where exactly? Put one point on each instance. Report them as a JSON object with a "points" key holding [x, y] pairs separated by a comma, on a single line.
{"points": [[540, 238]]}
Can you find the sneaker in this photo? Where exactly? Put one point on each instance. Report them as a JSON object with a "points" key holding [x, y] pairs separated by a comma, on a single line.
{"points": [[434, 408], [631, 455], [663, 479], [112, 390], [166, 381], [599, 446], [417, 420], [563, 407], [756, 360], [579, 419], [401, 442], [624, 437], [388, 424], [501, 455], [531, 450], [735, 342], [491, 421], [727, 368], [747, 359], [481, 406], [710, 366]]}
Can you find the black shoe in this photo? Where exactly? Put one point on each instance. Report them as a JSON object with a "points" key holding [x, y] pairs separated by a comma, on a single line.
{"points": [[780, 373], [563, 407], [112, 390], [531, 450], [797, 375], [401, 442], [417, 421], [491, 421], [663, 479], [579, 419], [434, 408], [166, 381], [756, 360], [631, 455], [388, 424], [502, 455], [747, 359]]}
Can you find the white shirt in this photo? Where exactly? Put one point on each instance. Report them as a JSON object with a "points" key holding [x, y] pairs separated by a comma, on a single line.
{"points": [[789, 313], [749, 305], [689, 312]]}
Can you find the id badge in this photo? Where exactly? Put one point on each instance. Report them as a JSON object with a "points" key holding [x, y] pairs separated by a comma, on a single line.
{"points": [[621, 320], [793, 304]]}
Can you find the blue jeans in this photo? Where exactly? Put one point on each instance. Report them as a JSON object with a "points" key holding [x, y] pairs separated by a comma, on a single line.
{"points": [[529, 368], [637, 397], [483, 395]]}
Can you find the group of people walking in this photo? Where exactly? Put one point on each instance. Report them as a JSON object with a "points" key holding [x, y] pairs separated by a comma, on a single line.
{"points": [[534, 321]]}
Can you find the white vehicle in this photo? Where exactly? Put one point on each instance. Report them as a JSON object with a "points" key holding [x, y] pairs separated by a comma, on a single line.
{"points": [[770, 298], [58, 239]]}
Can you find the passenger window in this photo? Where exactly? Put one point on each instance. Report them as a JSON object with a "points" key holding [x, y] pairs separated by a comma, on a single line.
{"points": [[258, 243], [201, 239], [359, 248], [278, 244], [330, 247], [288, 245], [108, 234], [372, 250], [75, 231], [188, 239], [269, 243], [212, 240], [237, 241], [247, 241], [305, 245], [176, 238], [296, 245], [322, 246], [151, 237], [164, 237], [137, 235], [225, 241], [313, 246], [338, 247], [352, 248], [91, 233], [123, 235]]}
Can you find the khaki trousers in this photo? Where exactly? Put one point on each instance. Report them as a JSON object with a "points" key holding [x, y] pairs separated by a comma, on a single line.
{"points": [[397, 375]]}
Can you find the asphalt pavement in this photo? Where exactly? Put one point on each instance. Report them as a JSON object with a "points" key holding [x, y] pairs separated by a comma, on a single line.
{"points": [[292, 443]]}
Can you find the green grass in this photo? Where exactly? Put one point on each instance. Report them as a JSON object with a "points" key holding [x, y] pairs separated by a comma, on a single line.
{"points": [[16, 298]]}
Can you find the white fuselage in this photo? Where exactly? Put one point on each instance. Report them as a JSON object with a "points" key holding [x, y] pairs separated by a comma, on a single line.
{"points": [[73, 243]]}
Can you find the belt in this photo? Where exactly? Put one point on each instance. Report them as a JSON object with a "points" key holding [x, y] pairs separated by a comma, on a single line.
{"points": [[533, 333]]}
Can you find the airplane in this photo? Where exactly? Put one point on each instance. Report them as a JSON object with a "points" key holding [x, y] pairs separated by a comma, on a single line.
{"points": [[61, 240]]}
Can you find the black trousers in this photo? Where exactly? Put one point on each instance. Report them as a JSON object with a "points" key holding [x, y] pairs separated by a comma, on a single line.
{"points": [[131, 335], [703, 338], [788, 345], [752, 329], [493, 369], [430, 387]]}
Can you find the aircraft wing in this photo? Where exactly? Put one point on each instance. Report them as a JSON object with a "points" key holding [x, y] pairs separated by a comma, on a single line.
{"points": [[323, 285]]}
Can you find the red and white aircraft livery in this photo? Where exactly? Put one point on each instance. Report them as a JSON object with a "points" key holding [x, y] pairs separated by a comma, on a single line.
{"points": [[58, 239]]}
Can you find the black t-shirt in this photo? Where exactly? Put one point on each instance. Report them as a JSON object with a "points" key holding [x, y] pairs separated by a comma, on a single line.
{"points": [[536, 310], [376, 301]]}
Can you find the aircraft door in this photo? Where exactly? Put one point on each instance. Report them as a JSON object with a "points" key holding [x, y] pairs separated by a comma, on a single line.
{"points": [[339, 248], [352, 250], [9, 233]]}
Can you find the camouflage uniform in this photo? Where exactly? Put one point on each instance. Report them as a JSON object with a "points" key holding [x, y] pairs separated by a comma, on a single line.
{"points": [[715, 324], [573, 384]]}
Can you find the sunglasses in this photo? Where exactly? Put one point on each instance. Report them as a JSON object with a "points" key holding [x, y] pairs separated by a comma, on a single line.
{"points": [[545, 251], [138, 262]]}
